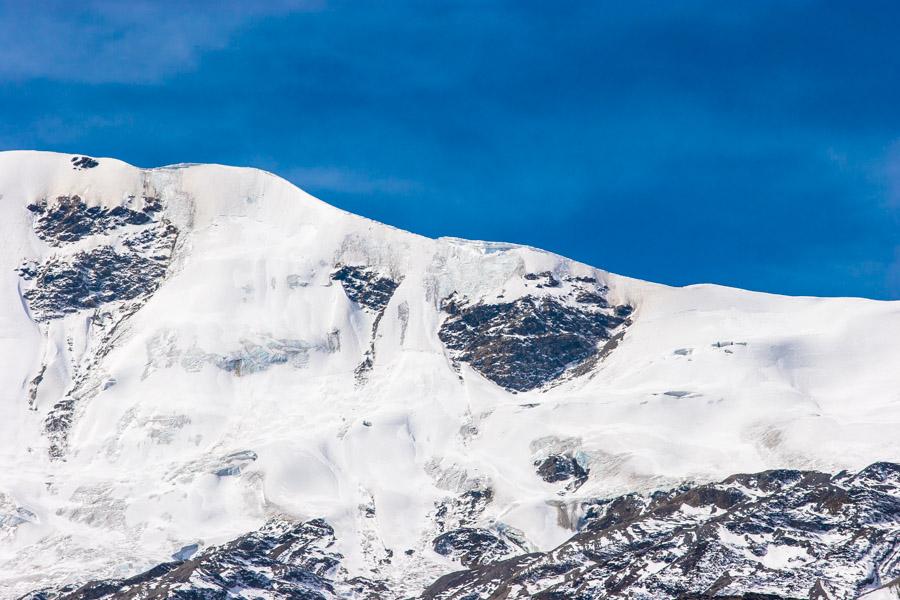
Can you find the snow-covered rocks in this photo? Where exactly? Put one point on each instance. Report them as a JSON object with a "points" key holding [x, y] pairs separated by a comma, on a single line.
{"points": [[776, 534], [283, 560], [534, 339], [191, 351]]}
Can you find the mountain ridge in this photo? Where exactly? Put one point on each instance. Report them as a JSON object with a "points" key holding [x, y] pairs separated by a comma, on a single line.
{"points": [[190, 351]]}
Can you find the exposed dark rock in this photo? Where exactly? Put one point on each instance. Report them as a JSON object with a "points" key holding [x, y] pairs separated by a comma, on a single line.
{"points": [[624, 311], [69, 219], [471, 546], [365, 287], [28, 270], [589, 297], [283, 560], [112, 284], [84, 162], [750, 596], [90, 279], [604, 514], [462, 510], [771, 535], [763, 536], [475, 501], [546, 279], [152, 205], [154, 242], [34, 385], [526, 343], [561, 467], [373, 292]]}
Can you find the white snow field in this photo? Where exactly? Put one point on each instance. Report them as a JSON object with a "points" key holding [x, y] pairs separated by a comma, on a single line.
{"points": [[233, 392]]}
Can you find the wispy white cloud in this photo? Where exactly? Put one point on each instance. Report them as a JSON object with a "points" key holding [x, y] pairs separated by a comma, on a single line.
{"points": [[105, 41], [680, 143], [337, 179]]}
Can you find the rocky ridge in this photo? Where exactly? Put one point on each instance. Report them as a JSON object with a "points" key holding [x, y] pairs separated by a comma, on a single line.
{"points": [[126, 261], [775, 535], [283, 559], [532, 340], [193, 349]]}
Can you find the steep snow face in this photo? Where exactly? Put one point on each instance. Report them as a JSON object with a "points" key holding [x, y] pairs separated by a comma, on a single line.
{"points": [[192, 350]]}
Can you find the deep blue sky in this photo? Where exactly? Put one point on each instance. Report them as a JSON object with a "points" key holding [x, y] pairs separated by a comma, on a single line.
{"points": [[754, 144]]}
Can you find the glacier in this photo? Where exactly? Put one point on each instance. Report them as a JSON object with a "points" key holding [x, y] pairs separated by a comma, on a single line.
{"points": [[194, 353]]}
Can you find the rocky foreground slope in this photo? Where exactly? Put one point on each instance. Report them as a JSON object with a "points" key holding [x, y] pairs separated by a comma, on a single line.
{"points": [[776, 535], [215, 385]]}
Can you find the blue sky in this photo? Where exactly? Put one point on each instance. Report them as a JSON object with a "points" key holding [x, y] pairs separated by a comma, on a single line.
{"points": [[748, 144]]}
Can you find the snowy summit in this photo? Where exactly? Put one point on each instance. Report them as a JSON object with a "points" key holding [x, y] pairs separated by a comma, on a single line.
{"points": [[217, 386]]}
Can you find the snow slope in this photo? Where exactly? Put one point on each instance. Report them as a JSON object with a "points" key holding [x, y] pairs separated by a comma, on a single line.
{"points": [[234, 391]]}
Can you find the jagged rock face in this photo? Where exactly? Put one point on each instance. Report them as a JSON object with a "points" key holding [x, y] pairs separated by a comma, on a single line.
{"points": [[112, 279], [69, 219], [80, 163], [462, 540], [366, 287], [372, 291], [463, 509], [777, 534], [91, 279], [283, 560], [561, 467], [471, 546], [530, 341], [188, 365], [67, 283]]}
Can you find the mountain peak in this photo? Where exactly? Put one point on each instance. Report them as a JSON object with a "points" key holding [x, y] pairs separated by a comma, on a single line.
{"points": [[193, 351]]}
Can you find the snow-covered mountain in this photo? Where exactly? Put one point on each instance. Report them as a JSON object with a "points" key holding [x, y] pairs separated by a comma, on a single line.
{"points": [[197, 354]]}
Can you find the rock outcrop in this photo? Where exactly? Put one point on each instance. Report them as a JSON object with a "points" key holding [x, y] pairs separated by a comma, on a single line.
{"points": [[775, 535], [533, 340]]}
